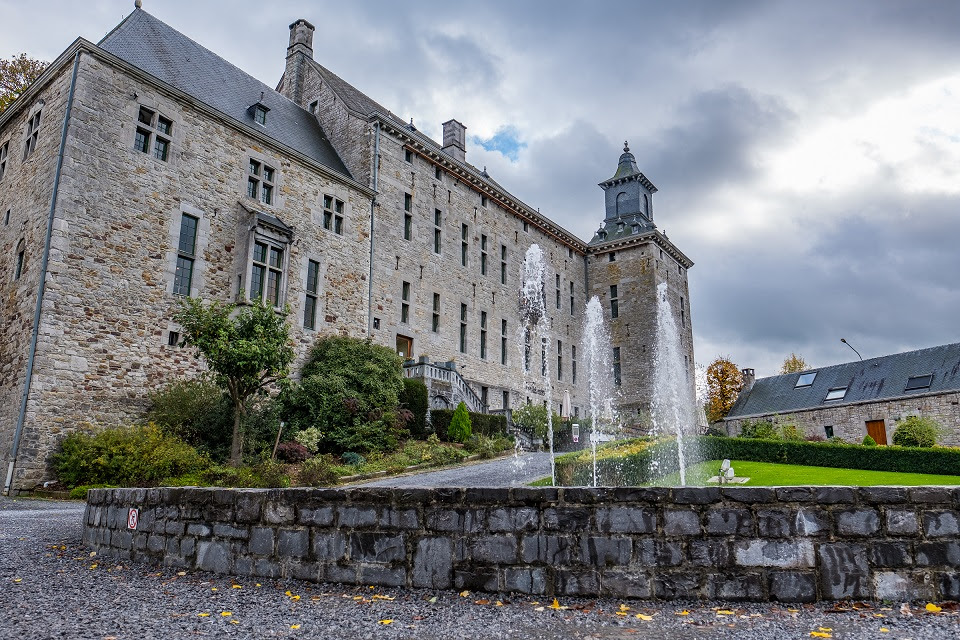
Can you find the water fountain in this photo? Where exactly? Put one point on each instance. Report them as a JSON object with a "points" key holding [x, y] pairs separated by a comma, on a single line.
{"points": [[535, 328], [596, 350], [672, 406]]}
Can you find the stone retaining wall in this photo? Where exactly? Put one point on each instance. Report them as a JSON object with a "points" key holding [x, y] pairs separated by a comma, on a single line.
{"points": [[793, 544]]}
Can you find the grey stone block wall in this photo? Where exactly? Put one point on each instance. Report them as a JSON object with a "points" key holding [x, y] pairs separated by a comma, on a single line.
{"points": [[794, 544]]}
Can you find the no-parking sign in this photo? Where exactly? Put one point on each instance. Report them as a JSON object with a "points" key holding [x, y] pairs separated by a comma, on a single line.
{"points": [[133, 517]]}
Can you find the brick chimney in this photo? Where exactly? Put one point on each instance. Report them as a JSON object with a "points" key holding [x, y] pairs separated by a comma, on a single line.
{"points": [[299, 55], [748, 379], [454, 140]]}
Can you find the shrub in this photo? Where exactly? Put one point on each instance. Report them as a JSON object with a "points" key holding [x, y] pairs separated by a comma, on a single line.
{"points": [[531, 418], [713, 431], [80, 493], [292, 452], [318, 472], [868, 441], [414, 398], [198, 412], [487, 447], [759, 429], [349, 390], [353, 459], [487, 424], [459, 429], [138, 455], [310, 438], [915, 431], [261, 476]]}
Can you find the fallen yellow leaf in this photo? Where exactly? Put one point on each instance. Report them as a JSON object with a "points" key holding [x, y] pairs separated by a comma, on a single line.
{"points": [[294, 626], [643, 617], [18, 579], [213, 588], [624, 607], [203, 615], [379, 597], [499, 604], [932, 608], [878, 615], [884, 630], [620, 613], [181, 573], [294, 597], [387, 621], [482, 601], [555, 605], [724, 612], [315, 598], [93, 554], [683, 613], [820, 634], [258, 584], [464, 594], [825, 628], [94, 565], [234, 622], [288, 593], [236, 586], [226, 614]]}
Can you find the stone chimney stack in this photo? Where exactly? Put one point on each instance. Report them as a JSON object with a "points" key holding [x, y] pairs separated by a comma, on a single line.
{"points": [[299, 55], [748, 379], [454, 140]]}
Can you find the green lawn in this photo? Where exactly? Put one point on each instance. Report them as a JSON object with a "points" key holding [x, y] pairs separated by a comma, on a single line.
{"points": [[772, 475]]}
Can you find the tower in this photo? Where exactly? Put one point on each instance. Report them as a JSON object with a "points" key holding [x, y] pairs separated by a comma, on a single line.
{"points": [[628, 258]]}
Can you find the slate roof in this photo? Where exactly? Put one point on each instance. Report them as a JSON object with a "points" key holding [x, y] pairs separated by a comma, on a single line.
{"points": [[160, 50], [613, 233], [874, 379]]}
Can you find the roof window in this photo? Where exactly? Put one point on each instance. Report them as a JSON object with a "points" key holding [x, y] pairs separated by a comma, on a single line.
{"points": [[837, 393], [919, 382], [805, 379]]}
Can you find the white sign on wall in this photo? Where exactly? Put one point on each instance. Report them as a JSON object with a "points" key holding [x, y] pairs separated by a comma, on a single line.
{"points": [[133, 517]]}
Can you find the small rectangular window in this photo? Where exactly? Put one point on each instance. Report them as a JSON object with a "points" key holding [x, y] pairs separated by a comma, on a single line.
{"points": [[18, 270], [828, 431], [483, 335], [405, 305], [616, 366], [408, 155], [141, 141], [559, 360], [435, 327], [407, 226], [463, 328], [525, 226], [483, 201], [572, 303], [310, 306], [464, 232], [186, 249], [837, 393], [4, 151], [438, 173], [919, 382], [503, 264], [503, 342], [260, 181], [805, 380], [612, 256], [614, 302], [153, 134], [483, 255], [407, 202], [173, 338], [260, 115], [33, 132], [573, 363]]}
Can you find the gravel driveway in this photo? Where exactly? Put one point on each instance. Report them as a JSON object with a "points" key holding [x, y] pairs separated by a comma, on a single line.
{"points": [[50, 587], [509, 471]]}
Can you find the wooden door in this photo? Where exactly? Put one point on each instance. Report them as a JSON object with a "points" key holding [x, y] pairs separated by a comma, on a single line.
{"points": [[877, 431], [405, 347]]}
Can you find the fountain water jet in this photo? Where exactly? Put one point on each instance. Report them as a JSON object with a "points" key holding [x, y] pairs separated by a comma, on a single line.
{"points": [[673, 404], [596, 349]]}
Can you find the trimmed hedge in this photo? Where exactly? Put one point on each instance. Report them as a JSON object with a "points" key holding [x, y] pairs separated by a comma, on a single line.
{"points": [[631, 462], [414, 398], [481, 424]]}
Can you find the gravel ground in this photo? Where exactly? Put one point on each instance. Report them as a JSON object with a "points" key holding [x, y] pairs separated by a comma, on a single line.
{"points": [[50, 587], [509, 471]]}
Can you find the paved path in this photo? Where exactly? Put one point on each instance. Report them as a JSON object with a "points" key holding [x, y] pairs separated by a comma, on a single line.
{"points": [[509, 471], [51, 587]]}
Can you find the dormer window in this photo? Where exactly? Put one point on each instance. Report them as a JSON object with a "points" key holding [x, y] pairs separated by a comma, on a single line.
{"points": [[915, 383], [634, 228], [259, 112], [805, 380], [837, 393], [619, 227]]}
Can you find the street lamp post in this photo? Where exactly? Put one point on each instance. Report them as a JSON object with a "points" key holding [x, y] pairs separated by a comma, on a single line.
{"points": [[844, 341]]}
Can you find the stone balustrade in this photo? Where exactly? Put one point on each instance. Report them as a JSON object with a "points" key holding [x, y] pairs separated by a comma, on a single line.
{"points": [[792, 544]]}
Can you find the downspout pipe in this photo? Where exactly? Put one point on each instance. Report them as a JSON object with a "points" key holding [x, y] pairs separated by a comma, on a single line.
{"points": [[31, 357], [373, 209]]}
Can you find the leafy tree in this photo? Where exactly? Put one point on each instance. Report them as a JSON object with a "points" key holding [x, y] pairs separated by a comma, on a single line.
{"points": [[915, 431], [16, 74], [532, 418], [724, 382], [459, 429], [247, 351], [414, 398], [793, 364], [350, 391]]}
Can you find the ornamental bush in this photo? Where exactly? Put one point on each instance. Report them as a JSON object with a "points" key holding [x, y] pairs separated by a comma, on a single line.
{"points": [[916, 431], [459, 429], [414, 398], [133, 456], [196, 411], [293, 452], [868, 441], [532, 418]]}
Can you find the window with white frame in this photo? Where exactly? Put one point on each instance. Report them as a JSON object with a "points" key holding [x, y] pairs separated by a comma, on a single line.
{"points": [[310, 302], [266, 274], [261, 181], [33, 133], [186, 255], [4, 151]]}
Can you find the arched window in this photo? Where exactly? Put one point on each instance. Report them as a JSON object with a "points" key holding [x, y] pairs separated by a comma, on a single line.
{"points": [[621, 203], [646, 206]]}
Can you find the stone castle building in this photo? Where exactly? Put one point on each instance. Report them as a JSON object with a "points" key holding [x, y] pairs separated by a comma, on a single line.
{"points": [[145, 168]]}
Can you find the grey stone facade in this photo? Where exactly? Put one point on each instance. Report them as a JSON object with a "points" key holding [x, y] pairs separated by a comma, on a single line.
{"points": [[791, 544], [106, 318]]}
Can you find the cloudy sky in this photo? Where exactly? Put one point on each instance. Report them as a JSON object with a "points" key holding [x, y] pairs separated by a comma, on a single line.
{"points": [[807, 153]]}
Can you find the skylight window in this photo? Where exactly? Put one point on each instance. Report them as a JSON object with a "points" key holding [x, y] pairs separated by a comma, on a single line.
{"points": [[919, 382], [837, 393], [805, 380]]}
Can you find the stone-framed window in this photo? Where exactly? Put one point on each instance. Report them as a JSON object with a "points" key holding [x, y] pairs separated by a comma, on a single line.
{"points": [[683, 313], [438, 173], [483, 200], [408, 202], [405, 303], [261, 181], [437, 232], [526, 349], [33, 134], [4, 152], [186, 255], [408, 156], [435, 324], [6, 218], [616, 366], [573, 304], [463, 328], [269, 258], [503, 264], [483, 335], [153, 133], [464, 234], [333, 214], [614, 302], [503, 341], [483, 255], [573, 363], [612, 256], [558, 290], [21, 258], [312, 293], [407, 226], [559, 360]]}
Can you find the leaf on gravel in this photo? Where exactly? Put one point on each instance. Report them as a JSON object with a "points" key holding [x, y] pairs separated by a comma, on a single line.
{"points": [[682, 613], [294, 626], [556, 605], [203, 615], [824, 629], [18, 579], [226, 614], [93, 554], [234, 622], [236, 586], [258, 584], [93, 566], [884, 630], [213, 588], [433, 600], [483, 601], [725, 612], [379, 597], [464, 594], [878, 615], [820, 634], [932, 608], [387, 621], [181, 573], [499, 603], [315, 598], [905, 609], [643, 617], [538, 609], [624, 607]]}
